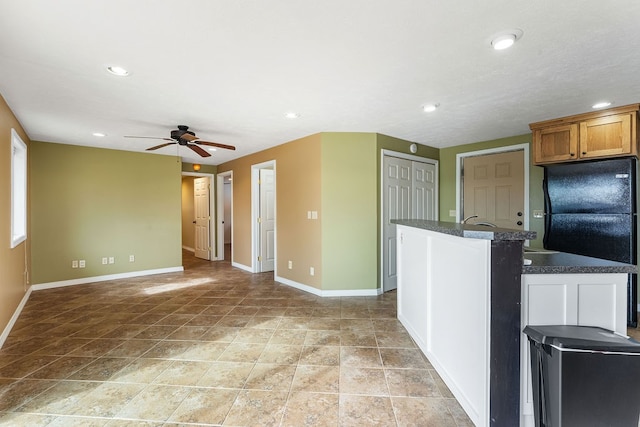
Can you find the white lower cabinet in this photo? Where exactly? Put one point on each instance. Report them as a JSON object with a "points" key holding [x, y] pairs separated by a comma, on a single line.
{"points": [[567, 299]]}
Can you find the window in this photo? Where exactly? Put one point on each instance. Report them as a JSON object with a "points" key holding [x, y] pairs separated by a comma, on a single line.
{"points": [[18, 190]]}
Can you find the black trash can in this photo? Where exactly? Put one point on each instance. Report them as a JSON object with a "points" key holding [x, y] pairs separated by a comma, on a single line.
{"points": [[584, 376]]}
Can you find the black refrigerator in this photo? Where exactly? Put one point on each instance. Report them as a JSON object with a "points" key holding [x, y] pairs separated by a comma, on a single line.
{"points": [[591, 210]]}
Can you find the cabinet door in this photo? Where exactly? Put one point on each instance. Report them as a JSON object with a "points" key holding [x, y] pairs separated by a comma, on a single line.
{"points": [[606, 136], [555, 143]]}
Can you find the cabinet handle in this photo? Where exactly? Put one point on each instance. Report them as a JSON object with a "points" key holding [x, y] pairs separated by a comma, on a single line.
{"points": [[572, 154], [519, 222], [584, 152]]}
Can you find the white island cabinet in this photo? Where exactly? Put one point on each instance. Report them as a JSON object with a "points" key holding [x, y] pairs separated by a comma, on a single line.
{"points": [[465, 296]]}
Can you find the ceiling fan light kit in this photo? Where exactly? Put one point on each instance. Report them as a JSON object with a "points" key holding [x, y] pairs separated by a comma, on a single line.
{"points": [[183, 136]]}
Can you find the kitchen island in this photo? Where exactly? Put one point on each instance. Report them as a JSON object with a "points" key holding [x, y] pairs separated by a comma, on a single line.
{"points": [[460, 289]]}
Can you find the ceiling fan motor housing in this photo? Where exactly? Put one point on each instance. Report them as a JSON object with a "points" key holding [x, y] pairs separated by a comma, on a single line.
{"points": [[177, 134]]}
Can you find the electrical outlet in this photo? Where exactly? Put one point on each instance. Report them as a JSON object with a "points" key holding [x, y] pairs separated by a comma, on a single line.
{"points": [[312, 271], [74, 263], [308, 214], [82, 263], [105, 261], [452, 213], [290, 265], [112, 260], [538, 213], [314, 214], [132, 258]]}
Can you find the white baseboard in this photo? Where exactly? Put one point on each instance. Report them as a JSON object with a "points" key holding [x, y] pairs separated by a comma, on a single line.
{"points": [[242, 267], [14, 318], [332, 293], [638, 307], [85, 280], [187, 248]]}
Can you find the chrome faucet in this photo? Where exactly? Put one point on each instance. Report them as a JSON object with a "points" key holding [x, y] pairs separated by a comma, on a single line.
{"points": [[464, 221]]}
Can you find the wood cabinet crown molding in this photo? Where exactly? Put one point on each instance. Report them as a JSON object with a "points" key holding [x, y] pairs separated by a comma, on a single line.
{"points": [[598, 134]]}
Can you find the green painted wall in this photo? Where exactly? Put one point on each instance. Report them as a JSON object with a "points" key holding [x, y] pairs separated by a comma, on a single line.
{"points": [[448, 180], [349, 211], [89, 203]]}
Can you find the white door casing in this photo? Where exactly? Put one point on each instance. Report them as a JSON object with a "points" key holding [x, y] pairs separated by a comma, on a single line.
{"points": [[409, 191], [202, 217], [224, 199], [267, 221]]}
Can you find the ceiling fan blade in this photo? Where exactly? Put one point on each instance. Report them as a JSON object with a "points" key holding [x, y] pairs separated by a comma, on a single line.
{"points": [[215, 144], [188, 137], [148, 137], [160, 146], [199, 150]]}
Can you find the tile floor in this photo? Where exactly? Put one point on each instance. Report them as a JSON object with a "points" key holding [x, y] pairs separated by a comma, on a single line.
{"points": [[215, 345]]}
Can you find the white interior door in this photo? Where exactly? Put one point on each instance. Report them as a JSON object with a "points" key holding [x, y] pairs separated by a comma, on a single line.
{"points": [[424, 190], [266, 258], [396, 183], [202, 217], [494, 189]]}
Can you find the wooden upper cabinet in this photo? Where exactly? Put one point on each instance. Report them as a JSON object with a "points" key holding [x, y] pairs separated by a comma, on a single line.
{"points": [[605, 133]]}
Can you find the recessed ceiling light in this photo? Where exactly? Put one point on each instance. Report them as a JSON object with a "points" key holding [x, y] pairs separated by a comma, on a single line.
{"points": [[292, 115], [601, 104], [99, 134], [117, 71], [505, 39], [211, 149], [429, 108]]}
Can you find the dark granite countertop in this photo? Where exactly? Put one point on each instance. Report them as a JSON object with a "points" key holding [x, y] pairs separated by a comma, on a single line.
{"points": [[565, 263], [468, 230]]}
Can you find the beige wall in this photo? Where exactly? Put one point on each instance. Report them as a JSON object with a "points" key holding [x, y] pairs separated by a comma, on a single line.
{"points": [[13, 281], [90, 203], [297, 191], [188, 215]]}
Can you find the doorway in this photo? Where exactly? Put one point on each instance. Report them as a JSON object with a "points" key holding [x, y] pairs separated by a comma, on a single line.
{"points": [[224, 188], [197, 214], [409, 191], [263, 214], [493, 186]]}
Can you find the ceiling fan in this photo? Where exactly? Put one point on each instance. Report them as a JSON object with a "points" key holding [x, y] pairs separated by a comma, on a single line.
{"points": [[183, 136]]}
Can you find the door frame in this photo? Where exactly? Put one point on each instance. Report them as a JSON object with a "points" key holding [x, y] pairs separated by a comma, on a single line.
{"points": [[220, 214], [212, 207], [381, 240], [255, 214], [459, 163]]}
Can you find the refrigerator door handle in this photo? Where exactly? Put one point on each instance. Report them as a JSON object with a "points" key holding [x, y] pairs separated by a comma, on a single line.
{"points": [[547, 213]]}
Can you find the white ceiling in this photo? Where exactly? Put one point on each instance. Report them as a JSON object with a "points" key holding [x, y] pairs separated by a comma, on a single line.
{"points": [[232, 69]]}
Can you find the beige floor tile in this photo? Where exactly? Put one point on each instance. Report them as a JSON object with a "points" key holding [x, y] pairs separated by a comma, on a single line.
{"points": [[360, 357], [220, 333], [323, 324], [61, 399], [444, 390], [358, 411], [188, 333], [62, 368], [411, 383], [404, 358], [102, 369], [264, 322], [257, 408], [358, 338], [142, 371], [205, 405], [226, 375], [168, 349], [207, 351], [26, 366], [319, 379], [265, 376], [320, 355], [242, 352], [323, 338], [461, 417], [97, 348], [311, 410], [183, 372], [422, 412], [107, 399], [16, 419], [132, 348], [154, 403], [289, 336], [16, 393], [394, 339], [254, 335], [78, 421], [156, 332], [356, 325], [367, 381], [281, 354]]}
